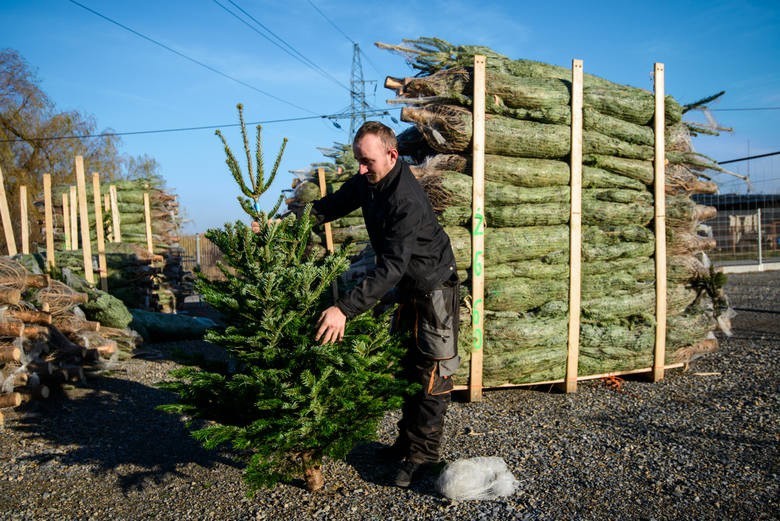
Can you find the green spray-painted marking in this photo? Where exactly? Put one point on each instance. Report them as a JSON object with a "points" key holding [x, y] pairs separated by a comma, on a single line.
{"points": [[479, 222], [477, 262], [476, 322]]}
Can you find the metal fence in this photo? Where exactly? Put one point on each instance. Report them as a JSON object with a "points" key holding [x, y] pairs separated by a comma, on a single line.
{"points": [[200, 254], [747, 226], [746, 229]]}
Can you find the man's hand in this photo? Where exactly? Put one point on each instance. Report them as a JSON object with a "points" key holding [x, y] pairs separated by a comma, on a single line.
{"points": [[331, 326]]}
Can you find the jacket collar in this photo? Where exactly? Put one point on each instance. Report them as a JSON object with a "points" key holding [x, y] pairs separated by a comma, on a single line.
{"points": [[386, 181]]}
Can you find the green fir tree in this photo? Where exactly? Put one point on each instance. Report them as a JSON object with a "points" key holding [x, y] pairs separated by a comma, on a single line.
{"points": [[284, 401]]}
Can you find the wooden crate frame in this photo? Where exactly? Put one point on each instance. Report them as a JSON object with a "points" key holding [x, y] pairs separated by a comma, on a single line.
{"points": [[569, 382]]}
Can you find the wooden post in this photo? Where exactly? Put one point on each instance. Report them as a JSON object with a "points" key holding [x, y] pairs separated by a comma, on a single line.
{"points": [[86, 243], [328, 232], [101, 241], [25, 220], [10, 241], [148, 220], [575, 229], [66, 220], [659, 357], [115, 219], [478, 232], [74, 223], [48, 220]]}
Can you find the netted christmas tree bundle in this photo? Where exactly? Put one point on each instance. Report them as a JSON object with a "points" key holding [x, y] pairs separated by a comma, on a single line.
{"points": [[165, 219], [152, 281], [527, 211]]}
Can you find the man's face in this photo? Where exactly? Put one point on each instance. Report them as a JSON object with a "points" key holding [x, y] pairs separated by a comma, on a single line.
{"points": [[374, 159]]}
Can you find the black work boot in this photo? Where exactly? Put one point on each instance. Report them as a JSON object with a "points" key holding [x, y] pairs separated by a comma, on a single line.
{"points": [[392, 453], [408, 473]]}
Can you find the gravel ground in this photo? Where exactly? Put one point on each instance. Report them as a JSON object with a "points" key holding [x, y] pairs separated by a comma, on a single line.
{"points": [[700, 444]]}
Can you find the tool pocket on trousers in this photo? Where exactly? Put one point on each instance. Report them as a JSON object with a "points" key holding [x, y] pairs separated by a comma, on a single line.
{"points": [[436, 323]]}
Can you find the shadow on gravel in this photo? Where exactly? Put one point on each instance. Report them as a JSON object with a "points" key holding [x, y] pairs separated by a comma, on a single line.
{"points": [[113, 427], [365, 459]]}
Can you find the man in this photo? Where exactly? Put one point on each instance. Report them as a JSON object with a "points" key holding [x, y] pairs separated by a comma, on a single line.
{"points": [[414, 255]]}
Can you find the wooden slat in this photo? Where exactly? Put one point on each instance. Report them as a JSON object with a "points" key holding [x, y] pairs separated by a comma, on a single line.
{"points": [[24, 220], [48, 220], [660, 224], [575, 230], [148, 221], [328, 231], [648, 370], [66, 220], [74, 223], [86, 243], [101, 241], [5, 214], [116, 221], [478, 232]]}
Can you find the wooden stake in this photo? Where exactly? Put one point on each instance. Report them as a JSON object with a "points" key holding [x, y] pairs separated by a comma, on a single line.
{"points": [[24, 220], [328, 231], [660, 225], [101, 241], [478, 232], [74, 223], [66, 220], [575, 229], [6, 218], [48, 217], [148, 220], [115, 219], [86, 243]]}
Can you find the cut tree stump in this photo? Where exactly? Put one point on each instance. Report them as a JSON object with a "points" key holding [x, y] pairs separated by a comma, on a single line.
{"points": [[10, 354], [10, 400]]}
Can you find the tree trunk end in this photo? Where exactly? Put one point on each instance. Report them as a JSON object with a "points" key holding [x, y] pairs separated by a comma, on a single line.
{"points": [[314, 479]]}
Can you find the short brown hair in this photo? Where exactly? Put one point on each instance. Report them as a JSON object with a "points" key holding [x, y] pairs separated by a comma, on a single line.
{"points": [[385, 133]]}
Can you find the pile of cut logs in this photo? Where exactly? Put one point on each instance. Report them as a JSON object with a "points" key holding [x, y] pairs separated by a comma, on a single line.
{"points": [[45, 341]]}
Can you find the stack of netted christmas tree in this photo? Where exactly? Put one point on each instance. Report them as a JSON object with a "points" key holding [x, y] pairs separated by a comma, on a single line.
{"points": [[527, 211], [141, 280]]}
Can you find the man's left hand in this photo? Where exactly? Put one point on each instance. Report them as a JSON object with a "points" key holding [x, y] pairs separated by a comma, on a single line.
{"points": [[331, 326]]}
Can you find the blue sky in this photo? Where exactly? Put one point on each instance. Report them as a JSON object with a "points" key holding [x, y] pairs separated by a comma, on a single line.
{"points": [[129, 84]]}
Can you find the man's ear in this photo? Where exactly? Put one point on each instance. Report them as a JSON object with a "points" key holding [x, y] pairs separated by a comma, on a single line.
{"points": [[393, 154]]}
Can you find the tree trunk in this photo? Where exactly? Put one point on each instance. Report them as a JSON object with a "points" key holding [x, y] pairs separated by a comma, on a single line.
{"points": [[312, 472], [10, 354], [11, 328], [10, 400], [10, 296]]}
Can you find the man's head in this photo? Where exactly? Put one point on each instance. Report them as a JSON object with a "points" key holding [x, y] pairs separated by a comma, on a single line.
{"points": [[376, 150]]}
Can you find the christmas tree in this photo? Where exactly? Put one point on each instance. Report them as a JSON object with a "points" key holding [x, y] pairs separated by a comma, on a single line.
{"points": [[282, 400]]}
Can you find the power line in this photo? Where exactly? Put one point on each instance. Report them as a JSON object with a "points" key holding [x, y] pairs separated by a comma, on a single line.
{"points": [[284, 46], [744, 108], [193, 60], [331, 22], [748, 158], [330, 117]]}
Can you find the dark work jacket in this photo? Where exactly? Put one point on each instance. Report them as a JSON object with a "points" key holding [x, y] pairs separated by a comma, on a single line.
{"points": [[413, 251]]}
